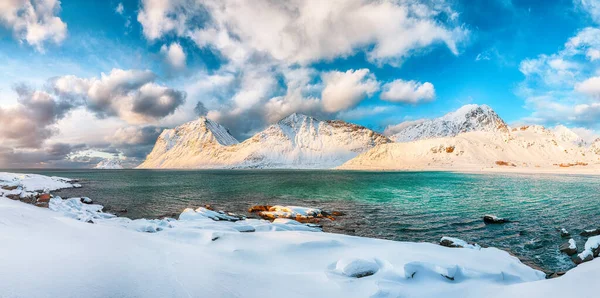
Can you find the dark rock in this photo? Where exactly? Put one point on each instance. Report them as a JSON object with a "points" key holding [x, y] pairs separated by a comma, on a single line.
{"points": [[9, 187], [564, 233], [586, 258], [86, 200], [555, 274], [209, 207], [42, 204], [567, 249], [338, 213], [14, 197], [589, 233], [492, 219]]}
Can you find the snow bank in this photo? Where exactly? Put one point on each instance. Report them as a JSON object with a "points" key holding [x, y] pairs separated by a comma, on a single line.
{"points": [[33, 182], [199, 256]]}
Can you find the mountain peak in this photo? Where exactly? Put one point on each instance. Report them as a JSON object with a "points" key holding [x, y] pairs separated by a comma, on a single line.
{"points": [[295, 118], [467, 118], [109, 164]]}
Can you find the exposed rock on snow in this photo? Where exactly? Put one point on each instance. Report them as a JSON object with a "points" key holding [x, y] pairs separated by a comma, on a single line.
{"points": [[458, 243], [492, 219], [564, 233], [109, 164], [297, 141], [467, 118], [569, 248]]}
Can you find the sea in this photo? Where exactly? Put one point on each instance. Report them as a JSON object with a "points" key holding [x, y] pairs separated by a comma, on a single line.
{"points": [[401, 206]]}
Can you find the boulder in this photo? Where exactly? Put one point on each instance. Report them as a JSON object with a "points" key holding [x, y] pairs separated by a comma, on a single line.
{"points": [[591, 232], [457, 243], [492, 219], [569, 248], [86, 200], [44, 198], [9, 187], [593, 245], [564, 233], [584, 256], [356, 268], [555, 274]]}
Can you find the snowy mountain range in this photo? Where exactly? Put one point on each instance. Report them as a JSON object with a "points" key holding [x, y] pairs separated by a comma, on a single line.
{"points": [[109, 164], [467, 118], [297, 141], [473, 136]]}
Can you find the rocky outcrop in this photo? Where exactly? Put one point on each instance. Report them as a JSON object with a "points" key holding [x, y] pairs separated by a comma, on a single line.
{"points": [[569, 248], [492, 219]]}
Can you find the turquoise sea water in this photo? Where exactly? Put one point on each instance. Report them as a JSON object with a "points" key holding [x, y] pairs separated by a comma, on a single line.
{"points": [[406, 206]]}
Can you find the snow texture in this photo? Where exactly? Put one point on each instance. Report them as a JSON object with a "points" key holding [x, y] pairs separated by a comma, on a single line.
{"points": [[109, 164], [198, 256]]}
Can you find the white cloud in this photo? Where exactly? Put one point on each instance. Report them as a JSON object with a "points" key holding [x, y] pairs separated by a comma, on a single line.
{"points": [[408, 91], [590, 6], [307, 31], [174, 55], [396, 128], [132, 95], [590, 87], [120, 9], [33, 21], [344, 90]]}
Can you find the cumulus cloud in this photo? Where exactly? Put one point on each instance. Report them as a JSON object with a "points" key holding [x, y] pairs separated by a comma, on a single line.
{"points": [[174, 55], [408, 91], [29, 123], [344, 90], [306, 31], [590, 87], [200, 109], [33, 21], [133, 95], [592, 7]]}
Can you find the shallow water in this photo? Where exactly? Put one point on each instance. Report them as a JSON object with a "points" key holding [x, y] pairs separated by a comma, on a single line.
{"points": [[405, 206]]}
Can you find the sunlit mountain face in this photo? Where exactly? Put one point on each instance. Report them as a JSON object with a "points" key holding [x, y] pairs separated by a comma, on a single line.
{"points": [[79, 88]]}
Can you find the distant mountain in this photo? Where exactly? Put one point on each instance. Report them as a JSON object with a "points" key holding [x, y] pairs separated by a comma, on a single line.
{"points": [[297, 141], [564, 134], [526, 147], [109, 164], [467, 118]]}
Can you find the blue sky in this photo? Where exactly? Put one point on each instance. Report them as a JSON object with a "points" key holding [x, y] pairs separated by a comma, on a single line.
{"points": [[104, 77]]}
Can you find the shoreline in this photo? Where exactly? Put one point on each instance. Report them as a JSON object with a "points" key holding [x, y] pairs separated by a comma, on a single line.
{"points": [[294, 244]]}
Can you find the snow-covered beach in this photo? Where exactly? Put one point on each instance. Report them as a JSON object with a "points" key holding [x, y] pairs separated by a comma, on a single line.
{"points": [[73, 249]]}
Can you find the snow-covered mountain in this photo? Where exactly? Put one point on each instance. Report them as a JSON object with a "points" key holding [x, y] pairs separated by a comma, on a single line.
{"points": [[564, 134], [526, 147], [467, 118], [197, 142], [297, 141], [109, 164]]}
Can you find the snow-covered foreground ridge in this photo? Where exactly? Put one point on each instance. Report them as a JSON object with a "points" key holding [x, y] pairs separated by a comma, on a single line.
{"points": [[198, 256]]}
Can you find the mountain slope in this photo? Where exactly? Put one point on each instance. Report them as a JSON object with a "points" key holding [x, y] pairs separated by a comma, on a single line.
{"points": [[185, 143], [297, 141], [527, 147], [109, 164], [467, 118]]}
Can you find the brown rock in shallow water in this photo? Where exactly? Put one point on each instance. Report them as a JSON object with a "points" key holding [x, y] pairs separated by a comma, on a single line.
{"points": [[338, 213], [259, 208]]}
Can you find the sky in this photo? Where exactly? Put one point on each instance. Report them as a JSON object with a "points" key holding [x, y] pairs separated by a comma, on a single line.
{"points": [[84, 80]]}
